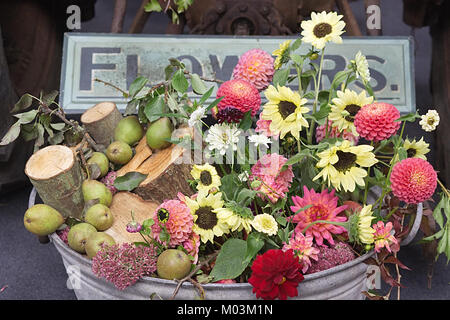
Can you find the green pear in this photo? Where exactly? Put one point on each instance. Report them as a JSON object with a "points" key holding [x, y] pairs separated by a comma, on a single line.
{"points": [[119, 152], [78, 235], [101, 160], [158, 132], [129, 130], [93, 189], [99, 216], [42, 219], [95, 241], [173, 264]]}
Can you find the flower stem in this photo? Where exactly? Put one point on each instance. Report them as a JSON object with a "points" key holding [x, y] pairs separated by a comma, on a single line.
{"points": [[443, 188], [336, 223], [316, 98]]}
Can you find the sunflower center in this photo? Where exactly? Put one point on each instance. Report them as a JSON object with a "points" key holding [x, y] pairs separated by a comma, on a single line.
{"points": [[163, 215], [346, 160], [353, 110], [411, 152], [322, 29], [286, 108], [205, 178], [206, 218]]}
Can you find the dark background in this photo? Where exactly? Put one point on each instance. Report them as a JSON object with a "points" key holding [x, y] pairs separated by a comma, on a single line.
{"points": [[30, 270]]}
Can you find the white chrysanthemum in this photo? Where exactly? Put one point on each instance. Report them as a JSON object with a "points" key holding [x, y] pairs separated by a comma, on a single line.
{"points": [[197, 116], [265, 223], [361, 67], [222, 137], [430, 120], [259, 139]]}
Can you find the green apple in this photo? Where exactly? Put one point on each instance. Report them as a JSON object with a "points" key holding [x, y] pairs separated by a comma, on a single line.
{"points": [[173, 264]]}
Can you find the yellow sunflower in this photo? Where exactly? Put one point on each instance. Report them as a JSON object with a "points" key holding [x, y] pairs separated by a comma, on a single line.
{"points": [[364, 230], [207, 223], [416, 149], [345, 107], [285, 110], [280, 53], [323, 27], [342, 165], [234, 220], [207, 177]]}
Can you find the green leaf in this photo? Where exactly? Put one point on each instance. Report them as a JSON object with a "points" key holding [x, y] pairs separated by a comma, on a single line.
{"points": [[56, 138], [410, 117], [338, 79], [437, 212], [24, 102], [40, 138], [297, 157], [198, 85], [153, 5], [129, 181], [206, 95], [29, 132], [281, 220], [137, 86], [50, 97], [229, 263], [131, 107], [214, 103], [12, 134], [58, 126], [402, 154], [254, 243], [154, 107], [296, 44], [183, 5], [26, 117], [280, 77], [297, 59], [230, 184], [245, 194], [179, 82], [246, 122]]}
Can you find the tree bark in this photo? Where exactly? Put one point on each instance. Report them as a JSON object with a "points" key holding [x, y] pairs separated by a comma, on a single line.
{"points": [[56, 174], [100, 122]]}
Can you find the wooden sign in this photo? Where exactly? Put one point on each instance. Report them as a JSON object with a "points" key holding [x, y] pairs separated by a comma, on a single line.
{"points": [[119, 59]]}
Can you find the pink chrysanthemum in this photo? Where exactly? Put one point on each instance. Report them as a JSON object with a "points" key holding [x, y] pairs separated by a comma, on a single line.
{"points": [[273, 181], [239, 94], [333, 132], [303, 249], [323, 207], [332, 256], [383, 237], [108, 181], [124, 264], [192, 246], [263, 126], [413, 180], [376, 121], [177, 220], [256, 67]]}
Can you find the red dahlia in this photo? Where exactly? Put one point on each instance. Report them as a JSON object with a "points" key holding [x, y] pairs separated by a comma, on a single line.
{"points": [[276, 274], [239, 94], [376, 121]]}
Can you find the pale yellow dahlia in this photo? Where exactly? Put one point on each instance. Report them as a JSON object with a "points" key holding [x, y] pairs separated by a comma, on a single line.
{"points": [[322, 28], [207, 223], [342, 165], [344, 108], [265, 223], [285, 109]]}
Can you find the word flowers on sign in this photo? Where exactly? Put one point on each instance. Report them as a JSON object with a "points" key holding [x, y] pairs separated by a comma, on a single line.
{"points": [[119, 59]]}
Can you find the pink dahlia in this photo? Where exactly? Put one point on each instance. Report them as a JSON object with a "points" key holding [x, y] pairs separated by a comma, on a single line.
{"points": [[239, 94], [177, 220], [263, 126], [332, 256], [256, 67], [269, 177], [383, 238], [413, 180], [108, 181], [333, 132], [192, 246], [376, 121], [323, 207], [124, 264], [303, 249]]}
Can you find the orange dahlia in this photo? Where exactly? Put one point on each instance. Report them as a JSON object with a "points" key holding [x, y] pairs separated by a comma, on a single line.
{"points": [[413, 180], [239, 94], [324, 208], [256, 67], [376, 121]]}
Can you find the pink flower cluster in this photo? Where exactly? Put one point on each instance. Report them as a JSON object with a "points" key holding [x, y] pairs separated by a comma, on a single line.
{"points": [[63, 234], [303, 248], [274, 180], [383, 237], [332, 256], [108, 181], [124, 264], [333, 132], [263, 126]]}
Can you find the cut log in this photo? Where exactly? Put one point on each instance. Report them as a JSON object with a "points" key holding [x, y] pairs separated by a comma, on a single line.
{"points": [[143, 152], [56, 174], [100, 122], [121, 206]]}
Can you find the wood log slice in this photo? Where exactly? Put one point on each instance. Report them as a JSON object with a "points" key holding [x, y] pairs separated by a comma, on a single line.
{"points": [[121, 206], [143, 152], [100, 122], [56, 174]]}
